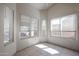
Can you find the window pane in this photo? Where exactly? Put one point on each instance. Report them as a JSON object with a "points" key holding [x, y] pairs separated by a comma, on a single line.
{"points": [[55, 25], [68, 34], [32, 33], [43, 25], [28, 27], [6, 30], [24, 27], [56, 34], [8, 25], [34, 27], [64, 27], [24, 32], [34, 24], [68, 23], [68, 26]]}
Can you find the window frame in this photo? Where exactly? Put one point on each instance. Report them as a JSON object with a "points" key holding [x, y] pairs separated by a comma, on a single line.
{"points": [[11, 31], [35, 30], [66, 31], [30, 27]]}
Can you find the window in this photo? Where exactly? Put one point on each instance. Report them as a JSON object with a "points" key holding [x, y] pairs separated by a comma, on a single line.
{"points": [[64, 27], [24, 32], [43, 25], [68, 26], [28, 27], [43, 28], [34, 27], [24, 27], [55, 27], [8, 25]]}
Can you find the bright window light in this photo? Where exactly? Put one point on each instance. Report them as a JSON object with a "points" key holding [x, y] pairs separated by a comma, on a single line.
{"points": [[51, 51], [41, 46], [32, 33], [55, 21], [47, 49], [44, 25]]}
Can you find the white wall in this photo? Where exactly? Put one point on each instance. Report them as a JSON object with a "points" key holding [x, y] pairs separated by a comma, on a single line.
{"points": [[9, 49], [60, 10], [20, 9], [26, 10], [1, 31]]}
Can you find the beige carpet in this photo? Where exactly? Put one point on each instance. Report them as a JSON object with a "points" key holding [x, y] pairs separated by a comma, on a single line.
{"points": [[45, 49]]}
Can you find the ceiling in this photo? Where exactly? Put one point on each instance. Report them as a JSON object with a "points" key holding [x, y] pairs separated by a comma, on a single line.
{"points": [[42, 6]]}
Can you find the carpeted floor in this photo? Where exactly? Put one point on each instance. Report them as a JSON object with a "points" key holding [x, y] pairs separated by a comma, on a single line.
{"points": [[45, 49]]}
